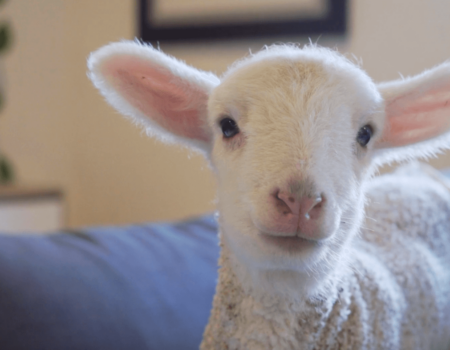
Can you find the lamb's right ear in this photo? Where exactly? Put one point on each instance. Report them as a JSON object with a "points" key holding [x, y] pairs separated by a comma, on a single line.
{"points": [[166, 96]]}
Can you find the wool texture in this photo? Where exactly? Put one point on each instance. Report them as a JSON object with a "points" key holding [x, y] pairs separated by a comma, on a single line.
{"points": [[394, 292]]}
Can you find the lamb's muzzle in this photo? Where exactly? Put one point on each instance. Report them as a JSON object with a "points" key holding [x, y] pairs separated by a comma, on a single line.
{"points": [[305, 206], [294, 214]]}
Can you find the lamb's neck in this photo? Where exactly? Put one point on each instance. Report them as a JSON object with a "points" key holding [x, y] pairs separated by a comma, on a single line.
{"points": [[243, 312]]}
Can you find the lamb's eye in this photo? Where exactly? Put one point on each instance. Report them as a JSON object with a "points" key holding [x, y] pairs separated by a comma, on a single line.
{"points": [[229, 127], [364, 135]]}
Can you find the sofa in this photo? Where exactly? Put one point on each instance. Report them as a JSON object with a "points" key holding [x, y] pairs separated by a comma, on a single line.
{"points": [[137, 287]]}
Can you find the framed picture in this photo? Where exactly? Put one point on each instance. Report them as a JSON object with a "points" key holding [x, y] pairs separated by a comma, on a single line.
{"points": [[189, 20]]}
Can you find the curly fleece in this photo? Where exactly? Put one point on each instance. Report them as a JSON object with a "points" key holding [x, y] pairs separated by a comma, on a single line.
{"points": [[393, 293]]}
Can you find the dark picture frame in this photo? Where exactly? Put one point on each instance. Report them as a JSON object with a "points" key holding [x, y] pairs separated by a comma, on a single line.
{"points": [[334, 22]]}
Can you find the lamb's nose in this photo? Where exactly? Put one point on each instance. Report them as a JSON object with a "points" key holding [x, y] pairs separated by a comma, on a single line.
{"points": [[306, 207]]}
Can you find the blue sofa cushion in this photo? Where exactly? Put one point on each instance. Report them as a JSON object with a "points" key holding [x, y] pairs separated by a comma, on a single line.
{"points": [[137, 287]]}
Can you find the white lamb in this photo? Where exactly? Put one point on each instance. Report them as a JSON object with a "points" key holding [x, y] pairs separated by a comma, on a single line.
{"points": [[315, 253]]}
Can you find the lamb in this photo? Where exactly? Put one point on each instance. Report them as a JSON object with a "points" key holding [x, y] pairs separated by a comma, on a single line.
{"points": [[316, 253]]}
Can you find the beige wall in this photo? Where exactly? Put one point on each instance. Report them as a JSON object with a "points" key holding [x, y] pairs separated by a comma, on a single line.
{"points": [[57, 129]]}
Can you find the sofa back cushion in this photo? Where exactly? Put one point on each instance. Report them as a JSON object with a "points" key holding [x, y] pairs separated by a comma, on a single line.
{"points": [[137, 287]]}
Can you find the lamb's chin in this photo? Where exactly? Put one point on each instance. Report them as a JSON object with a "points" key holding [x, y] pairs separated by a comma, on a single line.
{"points": [[273, 271], [263, 252]]}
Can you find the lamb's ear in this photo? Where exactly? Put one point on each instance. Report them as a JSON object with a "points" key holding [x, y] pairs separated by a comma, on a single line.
{"points": [[166, 96], [417, 120]]}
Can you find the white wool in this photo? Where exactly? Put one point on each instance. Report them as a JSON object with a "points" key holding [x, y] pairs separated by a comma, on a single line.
{"points": [[370, 270], [392, 293]]}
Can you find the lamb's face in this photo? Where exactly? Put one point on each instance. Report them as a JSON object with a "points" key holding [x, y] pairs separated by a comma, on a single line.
{"points": [[290, 156], [290, 133]]}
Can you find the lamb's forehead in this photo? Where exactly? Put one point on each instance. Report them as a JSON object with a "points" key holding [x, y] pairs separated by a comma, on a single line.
{"points": [[330, 60], [279, 67]]}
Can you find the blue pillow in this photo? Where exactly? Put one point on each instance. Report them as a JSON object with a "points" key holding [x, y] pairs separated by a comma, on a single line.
{"points": [[138, 287]]}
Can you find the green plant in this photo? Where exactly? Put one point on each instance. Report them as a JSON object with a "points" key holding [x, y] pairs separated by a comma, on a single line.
{"points": [[6, 168]]}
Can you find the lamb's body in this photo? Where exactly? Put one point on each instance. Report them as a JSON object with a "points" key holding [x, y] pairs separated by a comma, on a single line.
{"points": [[393, 295], [293, 136]]}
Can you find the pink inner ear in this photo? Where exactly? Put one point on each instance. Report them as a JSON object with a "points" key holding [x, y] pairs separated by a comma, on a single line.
{"points": [[416, 117], [172, 103]]}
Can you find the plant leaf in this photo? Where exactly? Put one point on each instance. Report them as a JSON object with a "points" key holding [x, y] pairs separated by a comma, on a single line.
{"points": [[6, 171], [5, 37]]}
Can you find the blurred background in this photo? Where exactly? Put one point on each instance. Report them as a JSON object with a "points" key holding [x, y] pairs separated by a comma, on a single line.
{"points": [[58, 132]]}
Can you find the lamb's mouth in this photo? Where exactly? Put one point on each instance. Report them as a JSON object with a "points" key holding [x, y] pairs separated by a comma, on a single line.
{"points": [[289, 243]]}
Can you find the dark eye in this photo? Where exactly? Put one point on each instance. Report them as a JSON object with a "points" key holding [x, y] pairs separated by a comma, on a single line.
{"points": [[229, 127], [364, 135]]}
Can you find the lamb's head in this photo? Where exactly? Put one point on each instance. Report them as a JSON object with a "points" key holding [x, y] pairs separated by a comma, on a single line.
{"points": [[291, 150], [291, 134]]}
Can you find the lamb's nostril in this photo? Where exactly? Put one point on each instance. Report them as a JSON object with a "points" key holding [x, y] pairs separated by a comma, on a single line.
{"points": [[315, 207], [284, 203]]}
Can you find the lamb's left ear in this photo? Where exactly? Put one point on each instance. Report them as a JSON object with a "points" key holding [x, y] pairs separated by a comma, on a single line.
{"points": [[417, 115], [166, 96]]}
